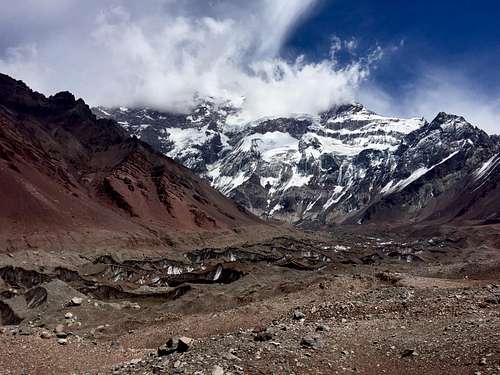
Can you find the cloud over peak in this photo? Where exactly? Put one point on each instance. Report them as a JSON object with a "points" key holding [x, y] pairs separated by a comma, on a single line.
{"points": [[163, 53]]}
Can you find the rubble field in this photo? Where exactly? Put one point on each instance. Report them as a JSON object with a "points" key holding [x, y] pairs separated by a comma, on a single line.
{"points": [[343, 302]]}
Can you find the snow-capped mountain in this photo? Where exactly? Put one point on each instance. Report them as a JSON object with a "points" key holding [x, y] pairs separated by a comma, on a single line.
{"points": [[346, 165]]}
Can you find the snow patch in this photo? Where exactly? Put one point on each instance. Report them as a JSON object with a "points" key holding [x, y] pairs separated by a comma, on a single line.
{"points": [[415, 176], [486, 167]]}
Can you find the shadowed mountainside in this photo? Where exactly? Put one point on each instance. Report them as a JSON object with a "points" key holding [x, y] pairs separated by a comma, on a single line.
{"points": [[67, 178]]}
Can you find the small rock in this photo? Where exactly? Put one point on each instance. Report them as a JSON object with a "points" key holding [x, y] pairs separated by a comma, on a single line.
{"points": [[230, 357], [25, 331], [68, 316], [263, 336], [115, 344], [322, 328], [259, 329], [45, 335], [217, 370], [100, 328], [76, 301], [184, 344], [409, 353], [309, 342], [62, 341], [61, 335], [483, 362], [298, 315], [164, 350], [181, 345]]}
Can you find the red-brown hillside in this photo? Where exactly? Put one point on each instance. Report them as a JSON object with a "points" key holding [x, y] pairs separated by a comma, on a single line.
{"points": [[66, 177]]}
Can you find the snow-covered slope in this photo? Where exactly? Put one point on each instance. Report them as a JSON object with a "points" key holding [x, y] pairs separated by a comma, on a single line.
{"points": [[343, 165]]}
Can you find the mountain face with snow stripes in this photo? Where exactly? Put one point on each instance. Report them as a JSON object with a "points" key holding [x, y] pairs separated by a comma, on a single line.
{"points": [[346, 165]]}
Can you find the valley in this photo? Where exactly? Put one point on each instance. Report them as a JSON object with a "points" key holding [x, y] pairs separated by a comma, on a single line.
{"points": [[115, 259], [346, 302]]}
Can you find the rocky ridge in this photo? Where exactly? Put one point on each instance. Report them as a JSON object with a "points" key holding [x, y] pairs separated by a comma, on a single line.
{"points": [[346, 165], [68, 176]]}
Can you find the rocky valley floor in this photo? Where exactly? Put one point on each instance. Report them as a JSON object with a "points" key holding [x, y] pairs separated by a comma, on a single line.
{"points": [[342, 302]]}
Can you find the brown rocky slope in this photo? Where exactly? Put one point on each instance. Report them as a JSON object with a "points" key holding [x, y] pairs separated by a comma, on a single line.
{"points": [[70, 180]]}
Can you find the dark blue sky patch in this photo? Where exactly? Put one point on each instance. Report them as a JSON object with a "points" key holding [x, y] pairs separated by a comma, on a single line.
{"points": [[461, 36]]}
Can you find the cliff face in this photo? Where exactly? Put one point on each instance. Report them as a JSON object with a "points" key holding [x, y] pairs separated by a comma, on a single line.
{"points": [[347, 165]]}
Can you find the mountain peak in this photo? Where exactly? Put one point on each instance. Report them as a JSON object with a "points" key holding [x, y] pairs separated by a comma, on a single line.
{"points": [[444, 117], [337, 163], [346, 109], [451, 123]]}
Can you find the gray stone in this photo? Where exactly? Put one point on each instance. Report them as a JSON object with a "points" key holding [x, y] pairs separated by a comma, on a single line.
{"points": [[45, 335], [409, 353], [165, 350], [310, 342], [322, 328], [61, 335], [263, 336], [217, 370], [298, 315], [76, 301]]}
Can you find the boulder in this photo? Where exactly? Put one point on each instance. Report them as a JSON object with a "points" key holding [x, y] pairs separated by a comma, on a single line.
{"points": [[184, 344]]}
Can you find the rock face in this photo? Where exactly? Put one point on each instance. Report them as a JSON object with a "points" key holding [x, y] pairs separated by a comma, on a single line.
{"points": [[347, 165], [68, 176]]}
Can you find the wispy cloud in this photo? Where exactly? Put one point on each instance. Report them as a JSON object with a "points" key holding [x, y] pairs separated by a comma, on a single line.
{"points": [[438, 90], [165, 52]]}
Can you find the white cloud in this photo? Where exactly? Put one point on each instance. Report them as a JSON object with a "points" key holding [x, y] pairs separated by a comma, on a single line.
{"points": [[351, 45], [164, 52], [438, 90]]}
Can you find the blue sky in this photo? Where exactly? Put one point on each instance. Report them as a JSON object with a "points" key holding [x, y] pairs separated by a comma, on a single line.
{"points": [[458, 40], [400, 58], [460, 35]]}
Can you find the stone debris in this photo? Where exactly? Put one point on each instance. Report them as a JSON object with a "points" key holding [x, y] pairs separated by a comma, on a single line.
{"points": [[357, 322]]}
